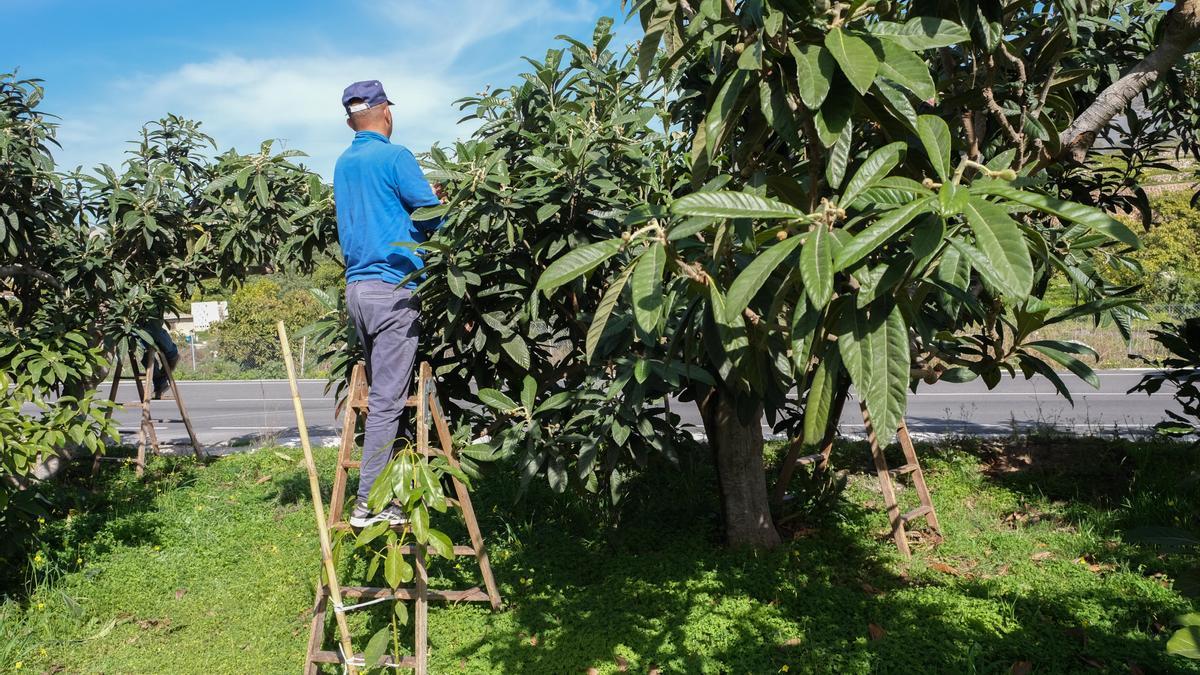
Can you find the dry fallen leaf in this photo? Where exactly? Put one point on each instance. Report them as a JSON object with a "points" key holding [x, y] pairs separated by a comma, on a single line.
{"points": [[1021, 668], [654, 670], [1092, 662], [944, 569], [533, 641], [262, 480], [622, 664], [1041, 555], [791, 642], [593, 671], [871, 590], [180, 592], [876, 631]]}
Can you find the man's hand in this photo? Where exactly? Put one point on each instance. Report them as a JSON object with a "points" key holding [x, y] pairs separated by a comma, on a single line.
{"points": [[439, 191]]}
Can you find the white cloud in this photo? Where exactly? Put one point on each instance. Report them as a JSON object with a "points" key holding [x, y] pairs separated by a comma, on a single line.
{"points": [[242, 100]]}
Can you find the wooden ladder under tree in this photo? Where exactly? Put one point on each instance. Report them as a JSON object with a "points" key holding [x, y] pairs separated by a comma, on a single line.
{"points": [[427, 407], [144, 381], [911, 467]]}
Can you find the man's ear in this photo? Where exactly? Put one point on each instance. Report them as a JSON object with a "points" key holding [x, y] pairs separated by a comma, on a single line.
{"points": [[350, 124]]}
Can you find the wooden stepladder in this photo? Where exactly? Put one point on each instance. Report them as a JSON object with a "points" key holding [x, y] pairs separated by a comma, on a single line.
{"points": [[911, 467], [144, 381], [427, 408]]}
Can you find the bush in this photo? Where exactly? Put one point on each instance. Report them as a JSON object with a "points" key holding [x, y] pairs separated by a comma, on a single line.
{"points": [[248, 336], [1170, 266]]}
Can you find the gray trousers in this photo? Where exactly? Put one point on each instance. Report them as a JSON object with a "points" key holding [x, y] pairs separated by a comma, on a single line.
{"points": [[385, 317]]}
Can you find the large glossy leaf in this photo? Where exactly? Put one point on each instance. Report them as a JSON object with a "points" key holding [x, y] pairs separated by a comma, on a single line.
{"points": [[726, 204], [1062, 353], [874, 347], [1185, 642], [834, 115], [730, 101], [576, 263], [497, 400], [818, 406], [876, 166], [805, 321], [603, 311], [1071, 211], [732, 330], [999, 238], [814, 72], [922, 32], [816, 266], [854, 56], [879, 232], [935, 136], [747, 284], [907, 70], [647, 288], [839, 157]]}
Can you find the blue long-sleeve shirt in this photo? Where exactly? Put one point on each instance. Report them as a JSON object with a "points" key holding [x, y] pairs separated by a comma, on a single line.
{"points": [[376, 187]]}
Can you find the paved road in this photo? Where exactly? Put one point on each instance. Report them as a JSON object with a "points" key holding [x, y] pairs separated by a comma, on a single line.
{"points": [[250, 413]]}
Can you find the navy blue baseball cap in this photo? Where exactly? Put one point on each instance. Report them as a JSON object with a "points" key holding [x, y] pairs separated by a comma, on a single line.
{"points": [[370, 93]]}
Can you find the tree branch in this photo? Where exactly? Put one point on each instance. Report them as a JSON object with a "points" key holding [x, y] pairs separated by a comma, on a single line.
{"points": [[1180, 31], [22, 271]]}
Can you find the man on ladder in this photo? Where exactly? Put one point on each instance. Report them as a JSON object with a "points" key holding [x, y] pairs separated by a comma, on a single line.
{"points": [[377, 185]]}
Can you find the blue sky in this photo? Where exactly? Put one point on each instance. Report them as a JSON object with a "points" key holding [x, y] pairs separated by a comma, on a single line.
{"points": [[253, 70]]}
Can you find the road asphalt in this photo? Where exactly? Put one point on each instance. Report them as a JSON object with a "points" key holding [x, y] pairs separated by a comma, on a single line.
{"points": [[236, 415]]}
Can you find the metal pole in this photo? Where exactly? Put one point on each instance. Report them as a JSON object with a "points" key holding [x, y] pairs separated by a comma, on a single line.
{"points": [[303, 353], [192, 342]]}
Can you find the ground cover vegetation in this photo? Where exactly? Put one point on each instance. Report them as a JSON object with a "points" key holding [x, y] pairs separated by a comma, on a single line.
{"points": [[210, 569]]}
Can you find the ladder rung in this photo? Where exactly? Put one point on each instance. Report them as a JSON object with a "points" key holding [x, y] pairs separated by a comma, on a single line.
{"points": [[811, 459], [468, 595], [352, 464], [333, 657], [411, 549], [916, 513], [907, 468], [345, 525]]}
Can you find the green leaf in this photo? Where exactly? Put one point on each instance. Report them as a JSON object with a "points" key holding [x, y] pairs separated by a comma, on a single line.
{"points": [[648, 288], [805, 321], [834, 115], [899, 100], [725, 109], [497, 401], [998, 237], [576, 263], [874, 347], [814, 72], [261, 192], [456, 281], [1060, 352], [441, 544], [751, 279], [401, 611], [430, 213], [935, 136], [419, 520], [922, 32], [854, 56], [377, 646], [603, 311], [877, 165], [726, 204], [1185, 642], [528, 392], [391, 566], [1071, 211], [369, 533], [878, 233], [839, 157], [816, 266], [818, 406], [907, 70], [517, 350]]}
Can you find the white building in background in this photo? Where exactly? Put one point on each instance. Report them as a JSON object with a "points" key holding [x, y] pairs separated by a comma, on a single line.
{"points": [[205, 314]]}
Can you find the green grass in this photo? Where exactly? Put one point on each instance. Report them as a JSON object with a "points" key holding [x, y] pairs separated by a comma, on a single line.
{"points": [[211, 570]]}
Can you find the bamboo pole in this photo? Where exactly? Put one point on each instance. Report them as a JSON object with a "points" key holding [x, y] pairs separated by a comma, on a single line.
{"points": [[314, 485]]}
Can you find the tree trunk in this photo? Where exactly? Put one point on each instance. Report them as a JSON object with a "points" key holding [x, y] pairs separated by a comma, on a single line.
{"points": [[738, 449], [1181, 30]]}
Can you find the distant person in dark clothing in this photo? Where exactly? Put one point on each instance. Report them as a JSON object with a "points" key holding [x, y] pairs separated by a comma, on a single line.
{"points": [[164, 343]]}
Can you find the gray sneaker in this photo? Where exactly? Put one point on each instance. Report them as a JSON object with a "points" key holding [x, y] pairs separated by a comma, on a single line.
{"points": [[362, 516]]}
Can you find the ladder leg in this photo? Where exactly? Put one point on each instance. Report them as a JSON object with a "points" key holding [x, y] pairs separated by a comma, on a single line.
{"points": [[112, 398], [197, 448], [337, 499], [885, 486], [421, 648], [918, 478], [148, 392], [316, 635], [464, 501]]}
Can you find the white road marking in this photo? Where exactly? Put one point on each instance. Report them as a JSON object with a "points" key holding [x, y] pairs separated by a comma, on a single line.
{"points": [[248, 428], [255, 400]]}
